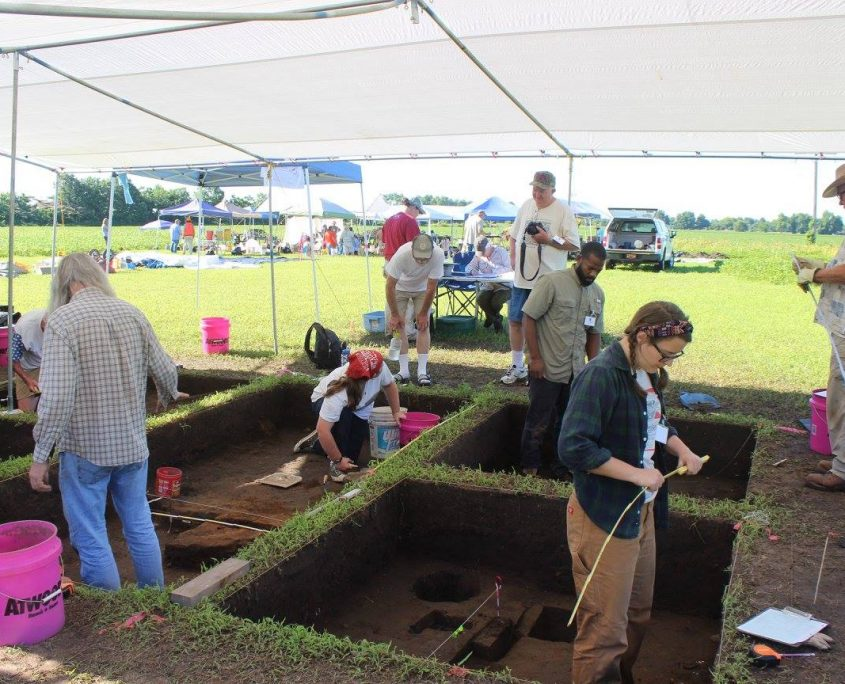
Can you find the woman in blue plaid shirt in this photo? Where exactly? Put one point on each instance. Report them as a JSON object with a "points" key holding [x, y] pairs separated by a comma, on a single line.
{"points": [[616, 441]]}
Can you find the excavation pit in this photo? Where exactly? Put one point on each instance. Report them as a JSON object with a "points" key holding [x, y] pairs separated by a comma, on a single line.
{"points": [[222, 452], [494, 446], [420, 529]]}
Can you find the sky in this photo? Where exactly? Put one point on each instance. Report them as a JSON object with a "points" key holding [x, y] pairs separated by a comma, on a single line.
{"points": [[756, 188]]}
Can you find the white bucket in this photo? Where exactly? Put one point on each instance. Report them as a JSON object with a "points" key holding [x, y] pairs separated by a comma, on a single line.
{"points": [[384, 433]]}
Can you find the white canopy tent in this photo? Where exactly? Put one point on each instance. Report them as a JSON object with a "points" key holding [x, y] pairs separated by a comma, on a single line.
{"points": [[716, 78]]}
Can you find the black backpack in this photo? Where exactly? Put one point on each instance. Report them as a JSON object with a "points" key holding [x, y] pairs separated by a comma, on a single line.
{"points": [[327, 346]]}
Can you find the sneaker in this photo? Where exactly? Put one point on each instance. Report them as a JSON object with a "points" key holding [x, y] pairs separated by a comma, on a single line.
{"points": [[335, 473], [306, 444], [825, 483], [488, 322], [401, 379], [514, 374], [424, 380]]}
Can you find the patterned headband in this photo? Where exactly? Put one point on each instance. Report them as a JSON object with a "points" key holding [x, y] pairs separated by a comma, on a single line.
{"points": [[667, 329]]}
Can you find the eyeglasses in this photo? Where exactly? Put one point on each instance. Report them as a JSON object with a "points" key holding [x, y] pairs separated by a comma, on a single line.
{"points": [[664, 357]]}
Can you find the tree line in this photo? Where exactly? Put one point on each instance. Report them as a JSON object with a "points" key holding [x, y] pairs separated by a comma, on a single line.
{"points": [[827, 224], [85, 202]]}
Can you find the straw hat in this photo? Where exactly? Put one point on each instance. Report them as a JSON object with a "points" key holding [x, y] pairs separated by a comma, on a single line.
{"points": [[832, 189]]}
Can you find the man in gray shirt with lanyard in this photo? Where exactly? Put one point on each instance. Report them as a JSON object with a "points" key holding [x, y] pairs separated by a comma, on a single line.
{"points": [[542, 233], [563, 319]]}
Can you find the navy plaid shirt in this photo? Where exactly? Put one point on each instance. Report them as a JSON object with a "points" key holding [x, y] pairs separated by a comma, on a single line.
{"points": [[606, 417]]}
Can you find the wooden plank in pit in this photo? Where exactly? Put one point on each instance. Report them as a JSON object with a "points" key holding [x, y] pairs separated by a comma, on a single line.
{"points": [[281, 480], [207, 583]]}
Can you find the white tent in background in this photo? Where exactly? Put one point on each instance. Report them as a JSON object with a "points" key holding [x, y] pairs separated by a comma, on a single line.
{"points": [[238, 212]]}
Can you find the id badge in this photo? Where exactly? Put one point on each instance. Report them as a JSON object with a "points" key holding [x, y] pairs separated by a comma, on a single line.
{"points": [[661, 434], [590, 320]]}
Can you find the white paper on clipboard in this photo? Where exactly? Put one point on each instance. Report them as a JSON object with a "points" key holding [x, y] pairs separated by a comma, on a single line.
{"points": [[785, 626]]}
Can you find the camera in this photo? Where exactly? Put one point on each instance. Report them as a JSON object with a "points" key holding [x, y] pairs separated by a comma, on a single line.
{"points": [[533, 228]]}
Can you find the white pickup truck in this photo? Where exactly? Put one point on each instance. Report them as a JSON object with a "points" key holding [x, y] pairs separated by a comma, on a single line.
{"points": [[635, 236]]}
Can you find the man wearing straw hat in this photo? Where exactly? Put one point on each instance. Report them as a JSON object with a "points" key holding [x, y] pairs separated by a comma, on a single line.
{"points": [[98, 352], [830, 313]]}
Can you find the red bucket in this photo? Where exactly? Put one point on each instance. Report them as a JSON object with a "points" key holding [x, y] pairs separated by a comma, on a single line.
{"points": [[168, 482], [414, 423]]}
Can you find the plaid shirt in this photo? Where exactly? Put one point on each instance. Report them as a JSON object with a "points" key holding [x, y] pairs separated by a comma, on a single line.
{"points": [[98, 351], [606, 417]]}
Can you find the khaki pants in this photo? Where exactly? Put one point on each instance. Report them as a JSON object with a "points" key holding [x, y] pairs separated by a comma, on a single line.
{"points": [[617, 606], [836, 408], [21, 388]]}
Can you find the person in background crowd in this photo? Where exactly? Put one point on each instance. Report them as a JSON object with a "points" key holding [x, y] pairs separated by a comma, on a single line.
{"points": [[175, 235], [562, 319], [398, 230], [188, 237], [830, 313], [491, 260], [473, 230], [541, 235], [98, 353], [344, 400], [27, 345], [105, 230], [615, 439], [412, 277]]}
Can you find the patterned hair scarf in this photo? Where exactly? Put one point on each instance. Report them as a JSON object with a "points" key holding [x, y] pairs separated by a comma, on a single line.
{"points": [[364, 364], [667, 329]]}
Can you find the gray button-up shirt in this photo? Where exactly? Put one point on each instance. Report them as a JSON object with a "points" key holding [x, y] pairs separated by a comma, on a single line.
{"points": [[98, 352]]}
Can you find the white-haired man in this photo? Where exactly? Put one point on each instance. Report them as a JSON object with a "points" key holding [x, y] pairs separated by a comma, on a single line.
{"points": [[98, 352]]}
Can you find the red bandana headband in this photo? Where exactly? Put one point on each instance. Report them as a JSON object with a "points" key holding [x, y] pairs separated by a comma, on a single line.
{"points": [[364, 364], [667, 329]]}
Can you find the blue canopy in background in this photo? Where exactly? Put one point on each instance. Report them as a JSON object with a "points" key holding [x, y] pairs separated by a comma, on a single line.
{"points": [[496, 209], [158, 224], [192, 208]]}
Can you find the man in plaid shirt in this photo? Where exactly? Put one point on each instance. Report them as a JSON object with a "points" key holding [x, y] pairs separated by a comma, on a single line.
{"points": [[98, 352]]}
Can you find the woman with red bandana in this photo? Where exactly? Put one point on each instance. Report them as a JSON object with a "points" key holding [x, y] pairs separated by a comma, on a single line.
{"points": [[344, 401]]}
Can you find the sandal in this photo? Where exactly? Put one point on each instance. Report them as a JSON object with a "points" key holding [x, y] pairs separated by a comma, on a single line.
{"points": [[401, 379], [424, 380]]}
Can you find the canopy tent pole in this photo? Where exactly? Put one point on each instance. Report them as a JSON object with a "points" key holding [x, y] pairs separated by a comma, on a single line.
{"points": [[55, 226], [199, 238], [366, 247], [569, 194], [111, 215], [272, 261], [313, 246], [10, 370]]}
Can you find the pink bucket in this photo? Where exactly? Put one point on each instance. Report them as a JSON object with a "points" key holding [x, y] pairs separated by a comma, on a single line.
{"points": [[819, 437], [215, 335], [414, 423], [31, 603]]}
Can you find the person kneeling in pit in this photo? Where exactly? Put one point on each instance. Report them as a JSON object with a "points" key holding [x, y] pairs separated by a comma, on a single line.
{"points": [[344, 401]]}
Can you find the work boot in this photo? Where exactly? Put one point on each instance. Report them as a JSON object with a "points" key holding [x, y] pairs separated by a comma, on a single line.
{"points": [[824, 466], [825, 483], [488, 322]]}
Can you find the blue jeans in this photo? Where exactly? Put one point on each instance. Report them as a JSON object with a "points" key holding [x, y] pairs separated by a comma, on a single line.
{"points": [[84, 487], [519, 295]]}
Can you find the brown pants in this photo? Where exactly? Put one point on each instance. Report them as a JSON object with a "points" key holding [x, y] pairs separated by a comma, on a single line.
{"points": [[836, 408], [617, 606]]}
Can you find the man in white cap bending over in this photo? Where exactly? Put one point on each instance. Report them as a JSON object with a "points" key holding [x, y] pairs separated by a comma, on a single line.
{"points": [[830, 313], [412, 276]]}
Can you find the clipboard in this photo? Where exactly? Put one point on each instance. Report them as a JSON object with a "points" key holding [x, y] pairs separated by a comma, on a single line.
{"points": [[788, 626]]}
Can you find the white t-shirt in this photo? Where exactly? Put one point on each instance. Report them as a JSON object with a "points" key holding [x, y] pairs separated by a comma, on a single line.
{"points": [[411, 276], [32, 337], [334, 405], [652, 403], [558, 220]]}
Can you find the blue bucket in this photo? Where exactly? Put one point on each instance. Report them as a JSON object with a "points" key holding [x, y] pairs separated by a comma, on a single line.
{"points": [[374, 322]]}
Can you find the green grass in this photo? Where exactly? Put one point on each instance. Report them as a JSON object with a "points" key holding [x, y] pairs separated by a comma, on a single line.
{"points": [[753, 328]]}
